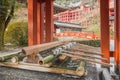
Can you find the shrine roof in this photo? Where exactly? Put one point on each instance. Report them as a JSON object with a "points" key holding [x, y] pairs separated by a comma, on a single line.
{"points": [[65, 24]]}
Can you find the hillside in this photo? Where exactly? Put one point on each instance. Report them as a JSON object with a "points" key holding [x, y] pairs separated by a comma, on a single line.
{"points": [[71, 2], [21, 14], [66, 2], [94, 25]]}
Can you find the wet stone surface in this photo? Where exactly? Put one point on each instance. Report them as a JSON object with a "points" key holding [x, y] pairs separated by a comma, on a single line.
{"points": [[18, 74]]}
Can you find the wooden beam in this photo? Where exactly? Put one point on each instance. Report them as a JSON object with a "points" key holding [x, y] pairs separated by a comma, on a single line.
{"points": [[87, 59], [85, 55], [86, 52], [32, 22], [104, 15], [49, 20], [117, 32], [36, 67]]}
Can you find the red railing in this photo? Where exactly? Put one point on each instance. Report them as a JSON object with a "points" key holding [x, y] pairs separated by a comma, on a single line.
{"points": [[84, 35], [77, 15]]}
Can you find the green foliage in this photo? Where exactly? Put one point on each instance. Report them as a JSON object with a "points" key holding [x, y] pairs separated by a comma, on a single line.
{"points": [[17, 33], [93, 25], [6, 14], [4, 6], [111, 31], [94, 43], [20, 5]]}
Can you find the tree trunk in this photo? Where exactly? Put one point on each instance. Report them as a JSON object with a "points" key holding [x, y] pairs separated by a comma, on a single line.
{"points": [[2, 36], [5, 18]]}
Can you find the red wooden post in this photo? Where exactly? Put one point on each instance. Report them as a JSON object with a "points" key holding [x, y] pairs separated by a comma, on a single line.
{"points": [[49, 20], [117, 32], [38, 23], [104, 15], [42, 20], [32, 22]]}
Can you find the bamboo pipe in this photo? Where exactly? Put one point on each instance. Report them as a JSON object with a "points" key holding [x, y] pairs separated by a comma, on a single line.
{"points": [[18, 58], [57, 59], [14, 59], [66, 59], [90, 60], [46, 59], [34, 58], [8, 56], [85, 55], [62, 57], [87, 52], [38, 48], [81, 68]]}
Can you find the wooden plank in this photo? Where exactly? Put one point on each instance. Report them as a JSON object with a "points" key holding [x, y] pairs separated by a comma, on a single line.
{"points": [[85, 55], [12, 53], [85, 51], [89, 48], [89, 60], [39, 68], [32, 64]]}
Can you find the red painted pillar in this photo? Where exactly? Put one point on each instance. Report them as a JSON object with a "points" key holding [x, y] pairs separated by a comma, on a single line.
{"points": [[32, 22], [117, 32], [49, 20], [42, 21], [104, 15], [38, 23]]}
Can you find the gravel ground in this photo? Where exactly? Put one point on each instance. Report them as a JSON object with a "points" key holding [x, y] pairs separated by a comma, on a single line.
{"points": [[18, 74]]}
